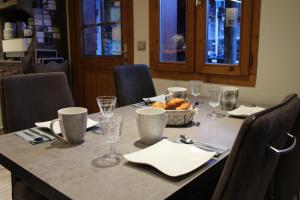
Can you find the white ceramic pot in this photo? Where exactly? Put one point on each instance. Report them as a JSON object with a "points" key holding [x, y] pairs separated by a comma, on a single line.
{"points": [[150, 124], [177, 92]]}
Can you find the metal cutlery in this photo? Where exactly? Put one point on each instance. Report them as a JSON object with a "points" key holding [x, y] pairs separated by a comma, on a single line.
{"points": [[34, 137], [38, 133], [187, 140]]}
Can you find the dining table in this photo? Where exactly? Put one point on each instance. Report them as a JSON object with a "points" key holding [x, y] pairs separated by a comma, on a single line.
{"points": [[63, 171]]}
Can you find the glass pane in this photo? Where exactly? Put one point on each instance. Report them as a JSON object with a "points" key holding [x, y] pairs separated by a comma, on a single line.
{"points": [[172, 30], [99, 11], [111, 11], [101, 27], [223, 31], [91, 12], [102, 40]]}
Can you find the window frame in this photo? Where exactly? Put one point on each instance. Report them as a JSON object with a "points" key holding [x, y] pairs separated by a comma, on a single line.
{"points": [[243, 74]]}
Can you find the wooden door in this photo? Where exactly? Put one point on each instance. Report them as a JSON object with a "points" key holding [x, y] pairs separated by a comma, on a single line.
{"points": [[101, 37]]}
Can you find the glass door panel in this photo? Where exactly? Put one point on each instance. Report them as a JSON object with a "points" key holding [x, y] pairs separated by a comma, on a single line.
{"points": [[101, 28]]}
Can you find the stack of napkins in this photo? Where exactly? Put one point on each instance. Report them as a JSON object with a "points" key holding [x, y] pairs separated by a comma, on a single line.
{"points": [[244, 111]]}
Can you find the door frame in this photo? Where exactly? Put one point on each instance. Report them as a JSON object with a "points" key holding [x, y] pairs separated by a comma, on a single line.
{"points": [[77, 71]]}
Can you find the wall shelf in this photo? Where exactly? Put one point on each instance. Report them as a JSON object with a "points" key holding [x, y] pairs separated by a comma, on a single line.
{"points": [[8, 4]]}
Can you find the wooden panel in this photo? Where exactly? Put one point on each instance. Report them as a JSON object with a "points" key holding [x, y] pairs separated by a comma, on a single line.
{"points": [[255, 36], [207, 78], [93, 75], [97, 84]]}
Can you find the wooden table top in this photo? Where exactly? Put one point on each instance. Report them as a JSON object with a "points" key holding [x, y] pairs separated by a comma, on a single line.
{"points": [[61, 171]]}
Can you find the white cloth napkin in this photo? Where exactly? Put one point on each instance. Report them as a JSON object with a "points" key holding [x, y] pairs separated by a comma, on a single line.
{"points": [[90, 123], [159, 98], [245, 111]]}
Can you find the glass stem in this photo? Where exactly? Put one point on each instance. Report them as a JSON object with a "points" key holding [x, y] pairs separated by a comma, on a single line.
{"points": [[112, 149]]}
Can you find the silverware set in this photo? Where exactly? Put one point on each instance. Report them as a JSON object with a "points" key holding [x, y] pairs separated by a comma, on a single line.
{"points": [[36, 136], [206, 147]]}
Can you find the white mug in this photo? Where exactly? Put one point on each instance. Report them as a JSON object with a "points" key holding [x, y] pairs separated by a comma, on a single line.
{"points": [[151, 123], [177, 92], [72, 122]]}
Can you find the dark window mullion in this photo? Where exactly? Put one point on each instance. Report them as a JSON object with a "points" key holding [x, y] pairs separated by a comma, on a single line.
{"points": [[99, 24]]}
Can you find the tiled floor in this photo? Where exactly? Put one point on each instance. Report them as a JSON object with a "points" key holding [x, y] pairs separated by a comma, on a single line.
{"points": [[5, 184]]}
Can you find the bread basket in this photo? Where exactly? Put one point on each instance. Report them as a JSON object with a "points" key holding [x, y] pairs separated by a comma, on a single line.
{"points": [[180, 117]]}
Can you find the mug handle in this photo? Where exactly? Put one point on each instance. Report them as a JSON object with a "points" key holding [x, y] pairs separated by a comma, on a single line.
{"points": [[169, 96], [53, 132], [165, 120]]}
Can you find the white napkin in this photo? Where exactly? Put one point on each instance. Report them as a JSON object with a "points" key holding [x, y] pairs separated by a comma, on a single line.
{"points": [[159, 98], [245, 111], [90, 123]]}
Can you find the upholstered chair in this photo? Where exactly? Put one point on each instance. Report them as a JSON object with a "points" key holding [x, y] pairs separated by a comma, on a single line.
{"points": [[133, 83], [30, 98], [285, 183], [260, 143]]}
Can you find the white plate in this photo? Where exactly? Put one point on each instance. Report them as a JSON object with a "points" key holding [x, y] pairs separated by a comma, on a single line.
{"points": [[171, 158], [90, 123], [245, 111]]}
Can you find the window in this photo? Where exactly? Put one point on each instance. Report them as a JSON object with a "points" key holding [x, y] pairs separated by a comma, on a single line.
{"points": [[101, 27], [214, 40]]}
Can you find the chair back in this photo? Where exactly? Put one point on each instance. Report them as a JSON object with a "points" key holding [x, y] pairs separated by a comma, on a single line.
{"points": [[286, 180], [133, 83], [254, 155], [30, 98]]}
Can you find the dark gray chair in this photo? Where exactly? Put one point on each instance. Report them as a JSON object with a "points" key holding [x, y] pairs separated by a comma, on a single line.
{"points": [[133, 83], [255, 155], [286, 180], [30, 98]]}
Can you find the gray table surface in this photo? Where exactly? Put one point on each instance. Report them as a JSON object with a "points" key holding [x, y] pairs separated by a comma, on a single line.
{"points": [[69, 170]]}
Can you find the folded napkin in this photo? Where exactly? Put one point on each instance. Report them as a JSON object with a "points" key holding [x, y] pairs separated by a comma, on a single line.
{"points": [[90, 123], [159, 98], [30, 135], [245, 111]]}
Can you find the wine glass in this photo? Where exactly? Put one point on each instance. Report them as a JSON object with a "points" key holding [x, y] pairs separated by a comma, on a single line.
{"points": [[195, 86], [107, 106], [214, 95], [112, 134]]}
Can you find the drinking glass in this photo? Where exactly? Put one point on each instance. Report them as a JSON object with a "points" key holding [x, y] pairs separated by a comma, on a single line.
{"points": [[195, 86], [112, 133], [107, 106], [214, 96]]}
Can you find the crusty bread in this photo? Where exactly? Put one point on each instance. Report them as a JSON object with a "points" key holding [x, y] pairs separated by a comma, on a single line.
{"points": [[184, 106], [174, 103], [159, 105]]}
